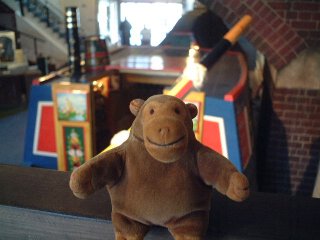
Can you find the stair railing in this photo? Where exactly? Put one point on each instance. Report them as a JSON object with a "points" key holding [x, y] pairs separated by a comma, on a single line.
{"points": [[45, 12], [34, 38]]}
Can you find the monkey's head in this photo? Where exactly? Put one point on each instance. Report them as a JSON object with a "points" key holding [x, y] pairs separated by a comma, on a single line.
{"points": [[164, 124]]}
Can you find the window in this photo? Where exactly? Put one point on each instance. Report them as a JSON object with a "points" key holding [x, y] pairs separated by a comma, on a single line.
{"points": [[108, 20], [159, 17]]}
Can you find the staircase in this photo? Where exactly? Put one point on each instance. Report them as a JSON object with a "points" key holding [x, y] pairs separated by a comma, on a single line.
{"points": [[43, 20]]}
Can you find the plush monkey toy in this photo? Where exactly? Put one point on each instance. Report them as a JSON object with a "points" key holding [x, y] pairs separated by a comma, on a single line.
{"points": [[161, 175]]}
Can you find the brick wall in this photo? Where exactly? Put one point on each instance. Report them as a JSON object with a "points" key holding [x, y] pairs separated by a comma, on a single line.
{"points": [[293, 149], [280, 30], [302, 16]]}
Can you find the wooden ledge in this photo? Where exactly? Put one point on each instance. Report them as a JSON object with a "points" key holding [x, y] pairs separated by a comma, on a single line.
{"points": [[48, 190], [262, 216]]}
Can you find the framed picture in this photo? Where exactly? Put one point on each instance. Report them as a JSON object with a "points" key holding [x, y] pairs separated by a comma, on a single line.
{"points": [[73, 124], [72, 102], [7, 46], [198, 99], [74, 145], [72, 105]]}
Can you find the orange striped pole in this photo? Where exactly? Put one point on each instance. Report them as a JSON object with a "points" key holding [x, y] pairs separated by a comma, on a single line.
{"points": [[185, 85]]}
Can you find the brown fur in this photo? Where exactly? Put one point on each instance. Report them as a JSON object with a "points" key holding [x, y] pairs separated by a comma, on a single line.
{"points": [[161, 175]]}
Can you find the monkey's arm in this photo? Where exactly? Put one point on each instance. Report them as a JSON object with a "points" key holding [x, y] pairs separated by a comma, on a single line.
{"points": [[103, 169], [219, 172]]}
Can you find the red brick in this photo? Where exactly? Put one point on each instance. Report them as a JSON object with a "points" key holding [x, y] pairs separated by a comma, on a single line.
{"points": [[305, 138], [306, 6], [290, 122], [306, 108], [263, 45], [276, 22], [257, 6], [283, 29], [313, 93], [315, 123], [313, 131], [314, 34], [303, 33], [280, 63], [302, 92], [291, 14], [290, 56], [273, 36], [231, 18], [298, 99], [292, 91], [285, 50], [270, 55], [259, 24], [304, 25], [289, 92], [304, 15], [229, 3], [297, 165], [292, 152], [314, 115], [279, 5], [241, 9], [278, 44], [263, 11], [270, 17], [315, 101], [292, 114], [251, 33], [316, 16], [266, 31], [278, 96], [295, 137], [294, 159], [284, 106], [302, 152], [293, 172], [301, 47], [282, 14], [294, 42]]}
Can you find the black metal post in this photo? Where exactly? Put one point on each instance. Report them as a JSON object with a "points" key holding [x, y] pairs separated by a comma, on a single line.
{"points": [[72, 22], [47, 13], [35, 47], [21, 7]]}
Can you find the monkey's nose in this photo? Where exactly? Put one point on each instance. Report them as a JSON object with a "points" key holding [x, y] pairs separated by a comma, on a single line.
{"points": [[163, 131]]}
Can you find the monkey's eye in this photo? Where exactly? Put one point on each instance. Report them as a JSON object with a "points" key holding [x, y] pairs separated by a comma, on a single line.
{"points": [[177, 111], [151, 111]]}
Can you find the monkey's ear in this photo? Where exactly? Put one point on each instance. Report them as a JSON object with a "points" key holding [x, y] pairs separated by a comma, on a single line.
{"points": [[135, 106], [192, 109]]}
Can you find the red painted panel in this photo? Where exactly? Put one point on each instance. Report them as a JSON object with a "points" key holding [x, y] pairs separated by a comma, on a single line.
{"points": [[47, 138], [211, 136]]}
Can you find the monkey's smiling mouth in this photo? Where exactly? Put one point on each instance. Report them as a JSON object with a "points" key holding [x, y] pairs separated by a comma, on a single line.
{"points": [[166, 144]]}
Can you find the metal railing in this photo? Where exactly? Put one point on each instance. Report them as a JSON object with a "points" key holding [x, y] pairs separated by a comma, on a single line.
{"points": [[45, 12], [34, 38]]}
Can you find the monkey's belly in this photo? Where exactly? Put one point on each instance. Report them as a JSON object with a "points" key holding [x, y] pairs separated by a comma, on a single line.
{"points": [[158, 205]]}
